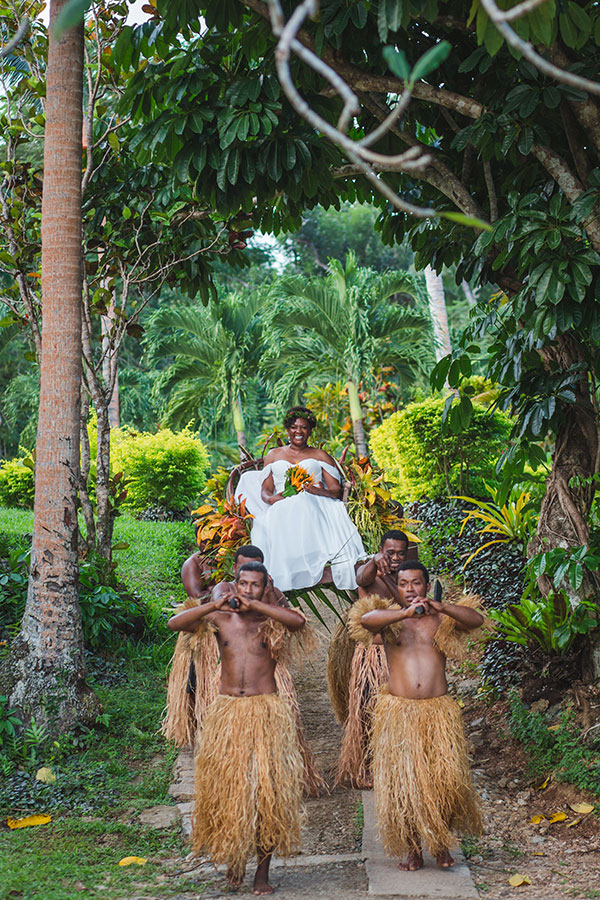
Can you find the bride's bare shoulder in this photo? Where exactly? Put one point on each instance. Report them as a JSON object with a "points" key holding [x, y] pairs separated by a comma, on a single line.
{"points": [[273, 454], [322, 456]]}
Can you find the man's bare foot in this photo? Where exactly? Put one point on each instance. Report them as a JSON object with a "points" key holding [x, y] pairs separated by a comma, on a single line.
{"points": [[261, 878], [262, 887], [413, 861], [444, 860], [234, 879]]}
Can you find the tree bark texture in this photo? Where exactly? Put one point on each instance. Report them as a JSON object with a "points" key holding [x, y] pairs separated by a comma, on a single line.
{"points": [[570, 488], [46, 662]]}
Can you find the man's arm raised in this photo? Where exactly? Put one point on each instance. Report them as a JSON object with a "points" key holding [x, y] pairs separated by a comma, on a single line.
{"points": [[290, 618], [466, 617], [378, 619], [189, 619]]}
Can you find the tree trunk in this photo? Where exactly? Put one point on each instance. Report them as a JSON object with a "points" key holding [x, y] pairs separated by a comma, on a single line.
{"points": [[238, 423], [45, 671], [110, 362], [439, 316], [356, 414], [570, 488], [103, 507]]}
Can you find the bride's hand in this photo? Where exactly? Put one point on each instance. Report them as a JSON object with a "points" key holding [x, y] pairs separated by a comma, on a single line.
{"points": [[274, 498], [313, 489]]}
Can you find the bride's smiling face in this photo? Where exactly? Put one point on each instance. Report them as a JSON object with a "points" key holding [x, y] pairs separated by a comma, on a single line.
{"points": [[299, 432]]}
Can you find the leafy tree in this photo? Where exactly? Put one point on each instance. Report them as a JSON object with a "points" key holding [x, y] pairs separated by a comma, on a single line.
{"points": [[330, 233], [343, 326], [42, 675], [506, 143], [215, 352]]}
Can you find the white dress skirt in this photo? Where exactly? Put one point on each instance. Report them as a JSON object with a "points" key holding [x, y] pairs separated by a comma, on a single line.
{"points": [[300, 535]]}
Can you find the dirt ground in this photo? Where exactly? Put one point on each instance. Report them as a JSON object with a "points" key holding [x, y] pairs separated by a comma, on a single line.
{"points": [[560, 861]]}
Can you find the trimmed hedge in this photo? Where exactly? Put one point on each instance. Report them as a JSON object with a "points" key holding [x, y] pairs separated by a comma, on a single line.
{"points": [[165, 469], [17, 484], [425, 461]]}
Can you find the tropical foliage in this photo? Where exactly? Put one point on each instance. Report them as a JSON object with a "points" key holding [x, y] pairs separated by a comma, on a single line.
{"points": [[344, 326], [548, 622], [222, 525], [515, 520], [422, 460]]}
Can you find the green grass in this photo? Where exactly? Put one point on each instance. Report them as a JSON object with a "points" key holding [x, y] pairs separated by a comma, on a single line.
{"points": [[54, 861], [151, 564], [104, 777]]}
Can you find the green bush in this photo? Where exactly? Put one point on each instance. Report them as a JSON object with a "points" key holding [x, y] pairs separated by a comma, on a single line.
{"points": [[165, 469], [17, 483], [426, 461]]}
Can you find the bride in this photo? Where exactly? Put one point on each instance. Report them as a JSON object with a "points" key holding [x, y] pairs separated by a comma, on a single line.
{"points": [[301, 534]]}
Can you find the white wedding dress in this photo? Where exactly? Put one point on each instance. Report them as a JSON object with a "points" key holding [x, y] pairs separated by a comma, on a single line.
{"points": [[300, 535]]}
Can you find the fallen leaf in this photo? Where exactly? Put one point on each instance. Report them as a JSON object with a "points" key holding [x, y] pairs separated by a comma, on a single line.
{"points": [[46, 775], [535, 820], [518, 880], [558, 817], [583, 808], [544, 784], [539, 853], [461, 703], [553, 727], [573, 822], [133, 860], [37, 819]]}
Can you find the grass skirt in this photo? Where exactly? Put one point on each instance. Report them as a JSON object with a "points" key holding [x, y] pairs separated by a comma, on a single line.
{"points": [[339, 665], [314, 784], [368, 674], [421, 774], [249, 777]]}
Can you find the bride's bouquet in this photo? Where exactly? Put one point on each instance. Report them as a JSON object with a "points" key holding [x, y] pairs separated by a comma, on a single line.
{"points": [[295, 479]]}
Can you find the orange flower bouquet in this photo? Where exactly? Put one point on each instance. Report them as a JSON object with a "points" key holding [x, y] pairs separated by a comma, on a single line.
{"points": [[295, 479]]}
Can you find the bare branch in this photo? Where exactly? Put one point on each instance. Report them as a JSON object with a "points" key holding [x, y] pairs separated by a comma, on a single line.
{"points": [[356, 151], [499, 18], [491, 189]]}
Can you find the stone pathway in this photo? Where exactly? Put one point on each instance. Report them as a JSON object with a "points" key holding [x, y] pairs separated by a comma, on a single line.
{"points": [[340, 876]]}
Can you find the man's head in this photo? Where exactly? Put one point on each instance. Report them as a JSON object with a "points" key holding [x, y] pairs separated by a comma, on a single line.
{"points": [[246, 554], [394, 546], [251, 580], [413, 580]]}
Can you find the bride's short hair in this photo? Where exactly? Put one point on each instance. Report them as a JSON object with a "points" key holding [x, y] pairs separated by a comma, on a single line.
{"points": [[299, 412]]}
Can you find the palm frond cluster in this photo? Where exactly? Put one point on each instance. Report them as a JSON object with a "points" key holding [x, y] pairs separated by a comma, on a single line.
{"points": [[240, 361]]}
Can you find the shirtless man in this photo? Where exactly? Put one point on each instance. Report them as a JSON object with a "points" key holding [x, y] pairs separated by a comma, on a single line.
{"points": [[248, 735], [243, 555], [196, 574], [379, 574], [420, 766]]}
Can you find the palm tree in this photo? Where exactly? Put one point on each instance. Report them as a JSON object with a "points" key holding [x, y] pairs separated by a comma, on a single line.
{"points": [[215, 353], [341, 327], [44, 671]]}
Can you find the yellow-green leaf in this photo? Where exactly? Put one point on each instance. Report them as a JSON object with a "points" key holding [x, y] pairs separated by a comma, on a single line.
{"points": [[583, 808], [544, 784], [557, 817], [573, 822], [45, 775], [27, 821], [518, 880], [535, 820], [133, 861]]}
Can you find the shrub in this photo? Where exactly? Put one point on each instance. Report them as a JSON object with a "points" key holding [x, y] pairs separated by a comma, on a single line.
{"points": [[164, 469], [426, 461], [17, 483]]}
